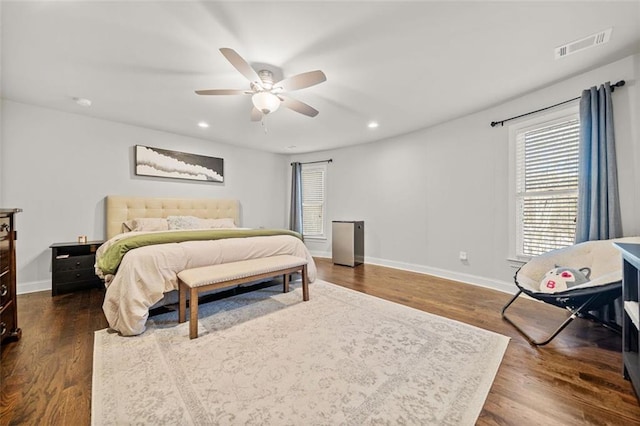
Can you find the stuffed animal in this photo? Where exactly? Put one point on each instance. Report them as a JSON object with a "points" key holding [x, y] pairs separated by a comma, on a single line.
{"points": [[561, 279]]}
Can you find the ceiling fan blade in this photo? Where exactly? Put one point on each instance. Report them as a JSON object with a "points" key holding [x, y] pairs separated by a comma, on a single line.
{"points": [[300, 81], [298, 106], [222, 92], [241, 65], [256, 114]]}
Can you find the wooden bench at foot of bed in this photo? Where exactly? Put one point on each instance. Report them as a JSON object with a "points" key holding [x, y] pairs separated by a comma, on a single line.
{"points": [[232, 274]]}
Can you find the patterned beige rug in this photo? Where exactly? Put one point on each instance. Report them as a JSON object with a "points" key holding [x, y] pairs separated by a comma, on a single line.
{"points": [[268, 358]]}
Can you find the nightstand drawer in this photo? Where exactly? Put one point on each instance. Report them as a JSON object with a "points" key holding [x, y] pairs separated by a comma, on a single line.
{"points": [[75, 262], [76, 275]]}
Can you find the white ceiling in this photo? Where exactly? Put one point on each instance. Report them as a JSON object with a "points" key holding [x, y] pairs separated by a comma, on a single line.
{"points": [[407, 65]]}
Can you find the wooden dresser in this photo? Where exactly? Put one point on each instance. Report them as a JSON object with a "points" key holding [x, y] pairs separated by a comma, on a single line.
{"points": [[8, 308]]}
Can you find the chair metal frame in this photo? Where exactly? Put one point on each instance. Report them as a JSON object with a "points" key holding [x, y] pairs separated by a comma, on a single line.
{"points": [[578, 302]]}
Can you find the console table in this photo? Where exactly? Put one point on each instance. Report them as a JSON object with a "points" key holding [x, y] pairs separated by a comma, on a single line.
{"points": [[631, 314]]}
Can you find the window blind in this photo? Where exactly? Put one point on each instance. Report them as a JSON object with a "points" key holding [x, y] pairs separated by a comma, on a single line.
{"points": [[313, 201], [547, 186]]}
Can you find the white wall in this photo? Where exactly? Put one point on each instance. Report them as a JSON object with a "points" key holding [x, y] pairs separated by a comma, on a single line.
{"points": [[424, 196], [58, 167], [428, 195]]}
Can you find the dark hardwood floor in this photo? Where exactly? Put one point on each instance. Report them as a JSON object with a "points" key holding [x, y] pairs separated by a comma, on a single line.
{"points": [[575, 380]]}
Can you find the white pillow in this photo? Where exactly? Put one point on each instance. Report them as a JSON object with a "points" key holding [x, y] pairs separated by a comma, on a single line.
{"points": [[184, 222], [146, 224], [192, 222]]}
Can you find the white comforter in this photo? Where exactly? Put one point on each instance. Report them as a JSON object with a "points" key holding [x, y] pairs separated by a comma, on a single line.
{"points": [[146, 273]]}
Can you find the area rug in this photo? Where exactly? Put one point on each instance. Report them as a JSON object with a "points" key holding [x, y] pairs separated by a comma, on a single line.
{"points": [[267, 358]]}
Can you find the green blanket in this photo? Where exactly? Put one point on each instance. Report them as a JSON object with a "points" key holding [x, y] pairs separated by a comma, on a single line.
{"points": [[110, 259]]}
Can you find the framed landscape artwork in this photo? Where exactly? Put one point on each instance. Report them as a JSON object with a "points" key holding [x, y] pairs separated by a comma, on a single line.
{"points": [[178, 165]]}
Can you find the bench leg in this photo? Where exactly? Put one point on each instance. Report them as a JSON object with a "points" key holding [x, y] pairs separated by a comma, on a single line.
{"points": [[305, 284], [285, 283], [182, 310], [193, 314]]}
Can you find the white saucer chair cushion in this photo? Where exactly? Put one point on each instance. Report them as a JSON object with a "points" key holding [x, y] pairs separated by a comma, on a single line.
{"points": [[601, 257], [601, 287]]}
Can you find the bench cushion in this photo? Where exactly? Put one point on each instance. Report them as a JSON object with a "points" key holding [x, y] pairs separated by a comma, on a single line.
{"points": [[206, 275]]}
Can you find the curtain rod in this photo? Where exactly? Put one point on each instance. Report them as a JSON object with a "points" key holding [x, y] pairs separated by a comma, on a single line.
{"points": [[501, 122], [330, 160]]}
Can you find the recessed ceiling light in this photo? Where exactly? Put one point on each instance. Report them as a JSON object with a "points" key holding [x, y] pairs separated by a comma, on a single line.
{"points": [[372, 124], [83, 102], [203, 124]]}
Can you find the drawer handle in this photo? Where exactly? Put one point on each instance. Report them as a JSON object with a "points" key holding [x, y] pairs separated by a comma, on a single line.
{"points": [[78, 275], [3, 328], [4, 227], [4, 290]]}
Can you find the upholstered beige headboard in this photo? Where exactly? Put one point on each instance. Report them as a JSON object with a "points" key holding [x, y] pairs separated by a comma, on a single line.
{"points": [[120, 209]]}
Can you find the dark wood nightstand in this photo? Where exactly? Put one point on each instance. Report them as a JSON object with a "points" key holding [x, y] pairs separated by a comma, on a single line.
{"points": [[72, 266]]}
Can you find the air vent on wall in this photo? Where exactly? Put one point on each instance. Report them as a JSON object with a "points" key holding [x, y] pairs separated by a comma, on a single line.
{"points": [[584, 43]]}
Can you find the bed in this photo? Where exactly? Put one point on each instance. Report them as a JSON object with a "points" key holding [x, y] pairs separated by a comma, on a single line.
{"points": [[150, 240]]}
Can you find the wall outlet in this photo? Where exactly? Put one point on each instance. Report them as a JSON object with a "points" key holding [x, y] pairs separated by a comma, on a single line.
{"points": [[463, 255]]}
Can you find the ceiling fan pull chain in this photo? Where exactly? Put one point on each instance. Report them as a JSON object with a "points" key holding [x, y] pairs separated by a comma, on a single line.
{"points": [[263, 125]]}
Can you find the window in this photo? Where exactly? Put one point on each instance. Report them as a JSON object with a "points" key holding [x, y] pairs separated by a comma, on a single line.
{"points": [[313, 200], [546, 183]]}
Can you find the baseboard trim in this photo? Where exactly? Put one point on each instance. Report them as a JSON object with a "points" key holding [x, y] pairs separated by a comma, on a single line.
{"points": [[503, 286], [33, 287]]}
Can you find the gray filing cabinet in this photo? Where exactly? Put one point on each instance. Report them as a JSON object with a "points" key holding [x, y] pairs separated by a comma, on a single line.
{"points": [[347, 242]]}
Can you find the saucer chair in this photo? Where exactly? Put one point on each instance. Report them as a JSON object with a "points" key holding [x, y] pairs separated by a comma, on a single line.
{"points": [[603, 287]]}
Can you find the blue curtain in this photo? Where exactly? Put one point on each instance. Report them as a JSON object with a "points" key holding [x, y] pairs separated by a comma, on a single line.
{"points": [[598, 203], [295, 215]]}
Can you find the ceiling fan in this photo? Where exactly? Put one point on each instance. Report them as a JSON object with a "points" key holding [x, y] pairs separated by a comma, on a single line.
{"points": [[266, 94]]}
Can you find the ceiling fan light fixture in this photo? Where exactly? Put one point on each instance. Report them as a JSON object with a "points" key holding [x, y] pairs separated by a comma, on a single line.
{"points": [[266, 94], [265, 102]]}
